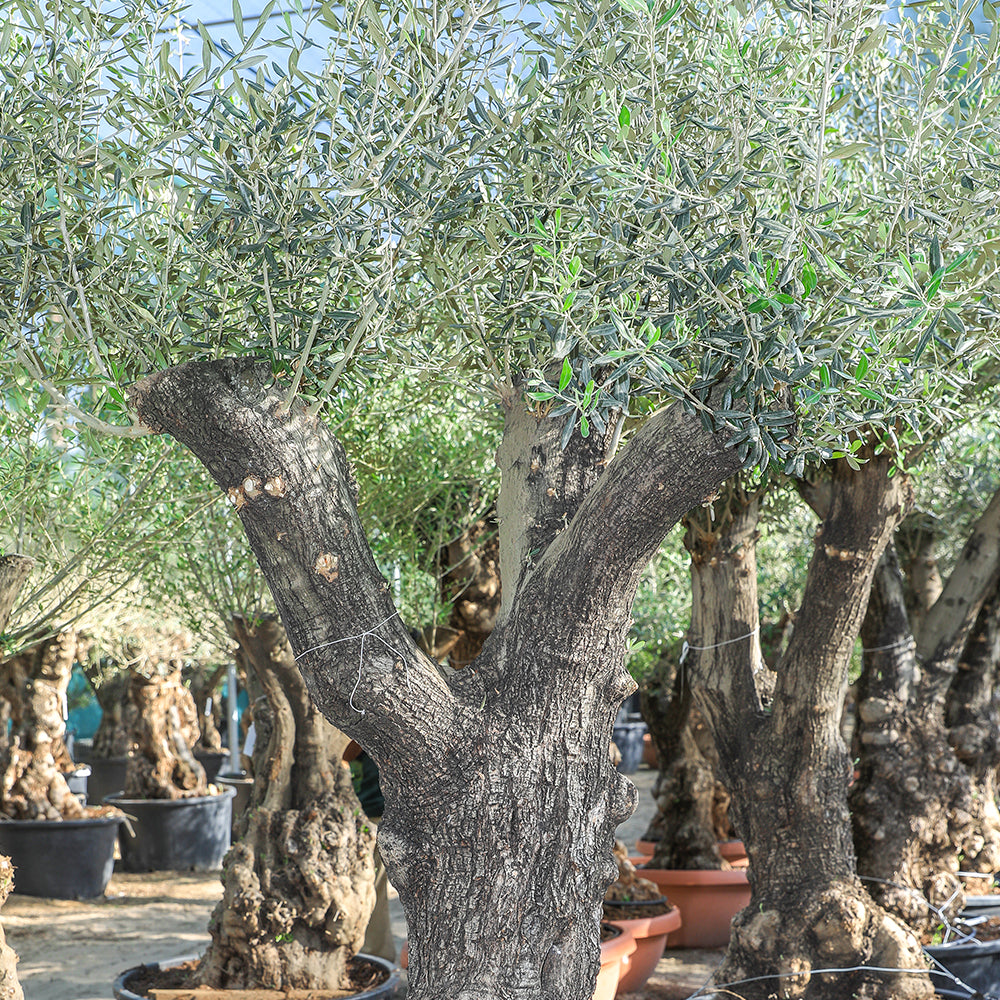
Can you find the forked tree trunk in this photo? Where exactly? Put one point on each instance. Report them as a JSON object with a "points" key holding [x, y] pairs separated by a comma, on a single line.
{"points": [[165, 733], [972, 715], [501, 798], [299, 882], [781, 753], [688, 796], [913, 809], [36, 761]]}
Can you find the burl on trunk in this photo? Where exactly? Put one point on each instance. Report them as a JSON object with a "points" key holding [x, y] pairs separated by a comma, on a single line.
{"points": [[501, 798]]}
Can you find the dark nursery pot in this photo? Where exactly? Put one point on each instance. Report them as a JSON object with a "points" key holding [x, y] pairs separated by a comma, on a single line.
{"points": [[244, 789], [77, 780], [61, 859], [981, 906], [628, 739], [212, 761], [392, 987], [977, 964], [107, 776], [176, 834]]}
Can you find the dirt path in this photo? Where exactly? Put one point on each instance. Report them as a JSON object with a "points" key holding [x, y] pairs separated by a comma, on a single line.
{"points": [[74, 950]]}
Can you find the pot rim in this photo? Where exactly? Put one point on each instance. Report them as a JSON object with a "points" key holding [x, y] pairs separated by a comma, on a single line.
{"points": [[695, 876], [60, 824], [644, 927], [118, 799], [124, 993]]}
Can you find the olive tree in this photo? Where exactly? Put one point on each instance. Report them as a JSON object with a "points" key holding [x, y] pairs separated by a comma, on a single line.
{"points": [[630, 228]]}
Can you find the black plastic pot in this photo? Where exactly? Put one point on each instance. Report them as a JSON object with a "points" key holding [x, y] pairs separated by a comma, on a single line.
{"points": [[212, 761], [107, 776], [244, 789], [981, 906], [61, 859], [628, 739], [977, 964], [176, 834], [77, 780], [392, 987]]}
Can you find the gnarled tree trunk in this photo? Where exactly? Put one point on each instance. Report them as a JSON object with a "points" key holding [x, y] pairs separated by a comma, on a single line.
{"points": [[912, 804], [781, 753], [35, 762], [501, 798], [972, 715], [165, 732], [692, 813], [10, 988], [299, 882], [114, 736]]}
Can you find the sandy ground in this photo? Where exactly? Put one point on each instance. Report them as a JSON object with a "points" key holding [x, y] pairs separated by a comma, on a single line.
{"points": [[74, 950]]}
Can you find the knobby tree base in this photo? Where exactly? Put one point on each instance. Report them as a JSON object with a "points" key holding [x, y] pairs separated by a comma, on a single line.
{"points": [[299, 884], [786, 946]]}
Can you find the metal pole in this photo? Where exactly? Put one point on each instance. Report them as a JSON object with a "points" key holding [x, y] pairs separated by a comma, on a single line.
{"points": [[232, 696]]}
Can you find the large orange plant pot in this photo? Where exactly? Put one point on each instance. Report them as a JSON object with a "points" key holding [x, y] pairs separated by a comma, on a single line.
{"points": [[650, 934], [708, 901], [615, 955]]}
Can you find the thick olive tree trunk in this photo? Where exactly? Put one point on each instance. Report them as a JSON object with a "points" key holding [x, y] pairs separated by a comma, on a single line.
{"points": [[165, 732], [913, 809], [972, 715], [692, 813], [501, 798], [781, 752], [36, 760], [299, 882]]}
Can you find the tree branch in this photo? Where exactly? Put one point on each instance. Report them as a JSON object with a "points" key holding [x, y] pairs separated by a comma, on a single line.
{"points": [[290, 481], [948, 621]]}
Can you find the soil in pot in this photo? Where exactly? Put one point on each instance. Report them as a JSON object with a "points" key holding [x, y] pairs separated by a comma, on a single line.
{"points": [[176, 834], [372, 978], [636, 905]]}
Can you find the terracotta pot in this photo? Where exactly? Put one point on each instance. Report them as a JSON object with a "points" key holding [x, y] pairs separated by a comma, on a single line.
{"points": [[732, 850], [708, 901], [649, 757], [615, 955], [650, 934], [646, 847]]}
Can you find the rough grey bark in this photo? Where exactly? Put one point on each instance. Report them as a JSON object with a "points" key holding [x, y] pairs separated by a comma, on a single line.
{"points": [[164, 734], [501, 799], [299, 881], [912, 805], [781, 753]]}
